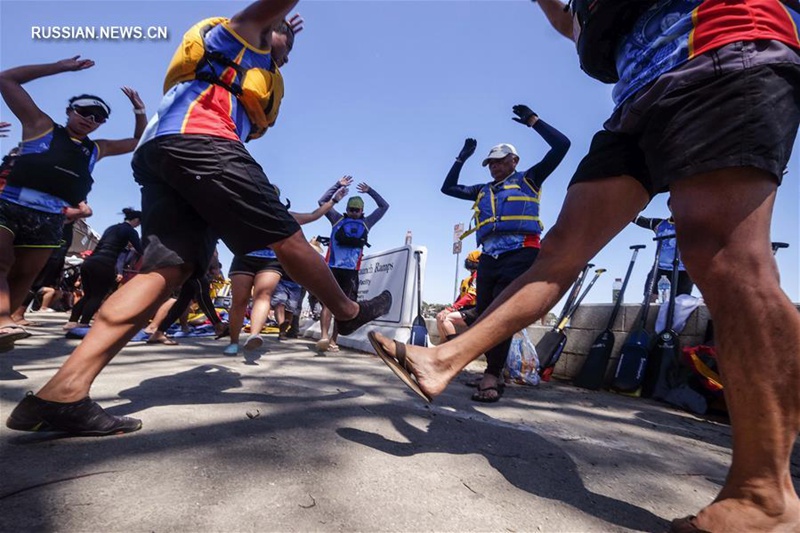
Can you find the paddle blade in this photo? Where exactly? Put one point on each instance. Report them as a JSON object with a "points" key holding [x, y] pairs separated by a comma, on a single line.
{"points": [[663, 358], [631, 367], [593, 372], [549, 349], [419, 334]]}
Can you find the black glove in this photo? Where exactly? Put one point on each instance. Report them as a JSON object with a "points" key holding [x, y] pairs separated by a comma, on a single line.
{"points": [[468, 150], [524, 113]]}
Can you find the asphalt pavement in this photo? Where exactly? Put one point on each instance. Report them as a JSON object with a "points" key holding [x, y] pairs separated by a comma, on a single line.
{"points": [[287, 440]]}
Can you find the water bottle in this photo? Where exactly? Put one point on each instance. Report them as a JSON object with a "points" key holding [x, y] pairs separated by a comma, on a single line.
{"points": [[616, 288], [664, 287], [408, 237]]}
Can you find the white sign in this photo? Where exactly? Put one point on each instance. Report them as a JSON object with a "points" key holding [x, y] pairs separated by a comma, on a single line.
{"points": [[393, 270], [458, 230]]}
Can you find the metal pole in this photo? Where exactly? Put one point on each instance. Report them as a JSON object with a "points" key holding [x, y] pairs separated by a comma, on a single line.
{"points": [[455, 289]]}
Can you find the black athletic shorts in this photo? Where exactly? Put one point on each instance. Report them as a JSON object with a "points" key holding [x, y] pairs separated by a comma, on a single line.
{"points": [[347, 280], [31, 228], [469, 314], [197, 188], [672, 130], [250, 266]]}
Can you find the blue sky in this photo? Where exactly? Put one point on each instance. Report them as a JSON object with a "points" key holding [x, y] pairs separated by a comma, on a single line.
{"points": [[385, 91]]}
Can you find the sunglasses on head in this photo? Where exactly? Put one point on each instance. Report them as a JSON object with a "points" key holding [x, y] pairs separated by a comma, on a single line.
{"points": [[95, 116]]}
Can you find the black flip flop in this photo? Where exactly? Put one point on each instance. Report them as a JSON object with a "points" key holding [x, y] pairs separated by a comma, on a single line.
{"points": [[398, 364]]}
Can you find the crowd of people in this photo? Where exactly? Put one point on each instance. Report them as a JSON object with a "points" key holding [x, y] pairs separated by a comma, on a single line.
{"points": [[706, 107]]}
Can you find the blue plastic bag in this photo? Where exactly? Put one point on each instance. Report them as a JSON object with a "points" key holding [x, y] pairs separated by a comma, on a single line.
{"points": [[522, 361]]}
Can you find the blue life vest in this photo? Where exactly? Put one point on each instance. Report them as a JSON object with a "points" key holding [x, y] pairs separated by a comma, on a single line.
{"points": [[511, 206], [351, 232]]}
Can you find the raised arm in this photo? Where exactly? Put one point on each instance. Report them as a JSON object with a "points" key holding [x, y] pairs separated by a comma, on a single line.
{"points": [[332, 214], [558, 16], [252, 21], [305, 218], [559, 145], [383, 205], [450, 187], [34, 121], [647, 223], [124, 146]]}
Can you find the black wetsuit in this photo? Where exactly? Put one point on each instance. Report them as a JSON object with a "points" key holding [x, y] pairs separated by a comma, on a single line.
{"points": [[98, 272]]}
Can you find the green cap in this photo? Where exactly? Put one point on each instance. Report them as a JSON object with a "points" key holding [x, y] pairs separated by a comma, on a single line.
{"points": [[355, 201]]}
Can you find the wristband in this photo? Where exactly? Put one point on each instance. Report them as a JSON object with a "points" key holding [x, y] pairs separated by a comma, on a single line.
{"points": [[139, 111]]}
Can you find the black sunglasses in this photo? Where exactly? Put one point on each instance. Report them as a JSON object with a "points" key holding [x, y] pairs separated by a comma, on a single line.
{"points": [[94, 116]]}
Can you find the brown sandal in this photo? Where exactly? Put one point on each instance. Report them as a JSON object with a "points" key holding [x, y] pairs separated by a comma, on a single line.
{"points": [[398, 364]]}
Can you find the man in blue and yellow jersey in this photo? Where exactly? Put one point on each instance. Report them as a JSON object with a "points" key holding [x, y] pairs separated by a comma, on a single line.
{"points": [[506, 224], [707, 108], [199, 183], [349, 234]]}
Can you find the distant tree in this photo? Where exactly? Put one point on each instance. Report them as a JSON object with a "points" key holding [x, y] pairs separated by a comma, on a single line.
{"points": [[430, 310]]}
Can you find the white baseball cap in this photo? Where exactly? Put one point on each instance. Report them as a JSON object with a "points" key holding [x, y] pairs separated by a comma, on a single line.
{"points": [[499, 152]]}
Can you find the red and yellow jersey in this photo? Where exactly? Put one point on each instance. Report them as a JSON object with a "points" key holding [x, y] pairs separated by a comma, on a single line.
{"points": [[673, 32], [196, 106]]}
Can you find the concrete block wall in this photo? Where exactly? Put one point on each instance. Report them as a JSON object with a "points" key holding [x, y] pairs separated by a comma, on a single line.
{"points": [[590, 320]]}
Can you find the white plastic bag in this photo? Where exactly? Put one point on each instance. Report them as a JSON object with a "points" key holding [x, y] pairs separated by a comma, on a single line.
{"points": [[522, 362], [685, 304]]}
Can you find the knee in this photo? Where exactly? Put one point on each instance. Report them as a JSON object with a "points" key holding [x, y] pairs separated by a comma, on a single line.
{"points": [[717, 266], [291, 242]]}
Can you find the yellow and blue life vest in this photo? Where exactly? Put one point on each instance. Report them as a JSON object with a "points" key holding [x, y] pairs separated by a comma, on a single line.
{"points": [[260, 90], [511, 206]]}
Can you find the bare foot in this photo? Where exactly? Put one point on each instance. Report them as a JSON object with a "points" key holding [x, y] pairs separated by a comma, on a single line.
{"points": [[756, 513], [431, 373], [69, 325], [159, 337]]}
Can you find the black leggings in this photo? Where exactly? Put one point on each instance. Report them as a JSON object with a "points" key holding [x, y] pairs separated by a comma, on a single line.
{"points": [[97, 279], [194, 289], [494, 275]]}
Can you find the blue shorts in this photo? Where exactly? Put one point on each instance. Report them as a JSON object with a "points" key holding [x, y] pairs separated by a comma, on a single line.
{"points": [[287, 293]]}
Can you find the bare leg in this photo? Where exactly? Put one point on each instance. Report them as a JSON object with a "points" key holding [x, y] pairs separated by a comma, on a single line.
{"points": [[18, 316], [325, 324], [280, 314], [48, 293], [241, 288], [334, 334], [160, 315], [119, 318], [18, 268], [446, 323], [723, 225], [592, 214], [263, 287], [307, 268]]}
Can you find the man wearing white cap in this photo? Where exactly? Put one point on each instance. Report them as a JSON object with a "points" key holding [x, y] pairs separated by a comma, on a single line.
{"points": [[506, 224]]}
